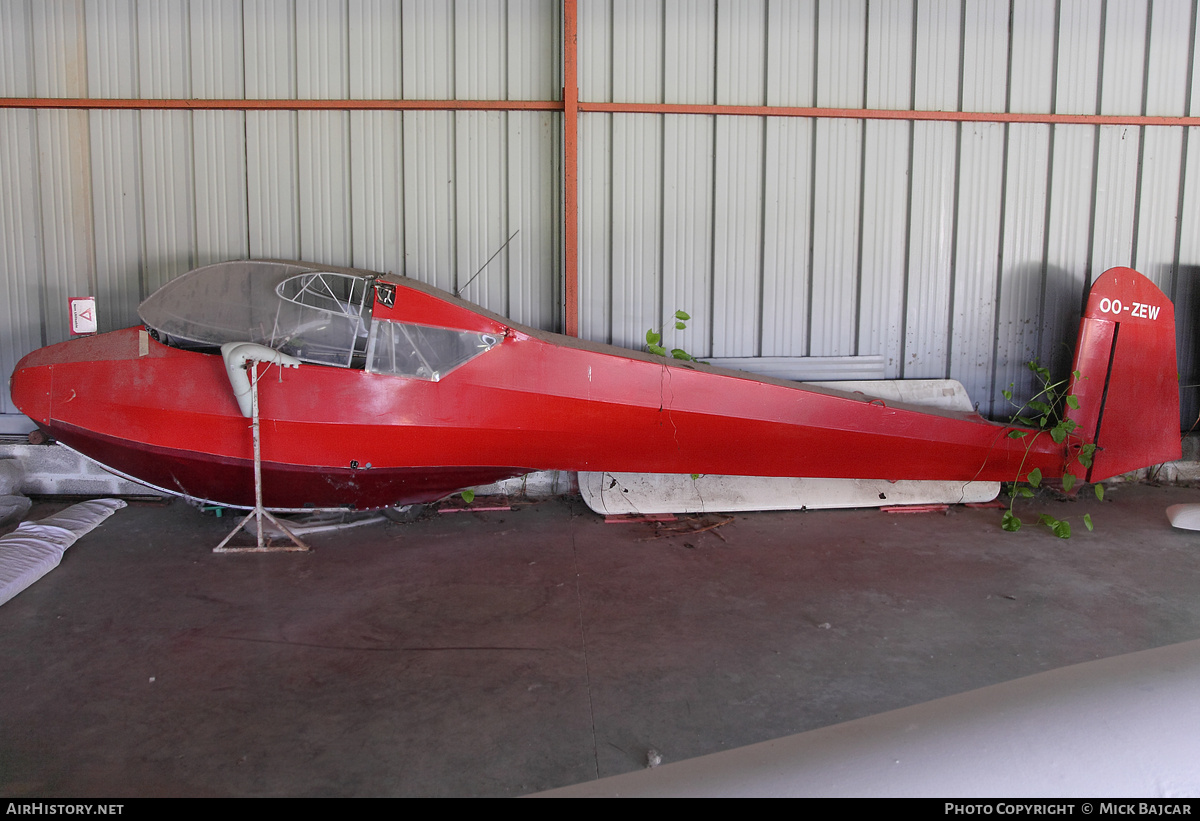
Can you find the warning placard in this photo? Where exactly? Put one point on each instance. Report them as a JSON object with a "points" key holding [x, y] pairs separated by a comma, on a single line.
{"points": [[83, 314]]}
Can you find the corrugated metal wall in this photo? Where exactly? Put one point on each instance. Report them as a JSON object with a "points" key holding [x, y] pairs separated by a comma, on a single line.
{"points": [[952, 249], [115, 203]]}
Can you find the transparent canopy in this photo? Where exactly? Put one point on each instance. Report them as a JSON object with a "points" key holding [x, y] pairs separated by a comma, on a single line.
{"points": [[422, 351], [316, 316]]}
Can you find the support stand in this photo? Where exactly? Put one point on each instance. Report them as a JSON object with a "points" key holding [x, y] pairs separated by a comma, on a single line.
{"points": [[259, 511]]}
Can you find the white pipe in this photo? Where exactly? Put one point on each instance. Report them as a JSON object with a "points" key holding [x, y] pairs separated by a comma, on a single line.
{"points": [[236, 355]]}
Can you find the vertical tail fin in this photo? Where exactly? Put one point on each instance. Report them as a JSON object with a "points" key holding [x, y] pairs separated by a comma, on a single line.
{"points": [[1128, 383]]}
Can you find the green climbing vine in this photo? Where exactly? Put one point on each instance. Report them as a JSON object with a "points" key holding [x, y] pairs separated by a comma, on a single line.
{"points": [[654, 345], [1045, 414], [654, 339]]}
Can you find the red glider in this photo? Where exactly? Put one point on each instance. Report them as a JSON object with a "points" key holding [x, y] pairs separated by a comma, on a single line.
{"points": [[405, 394]]}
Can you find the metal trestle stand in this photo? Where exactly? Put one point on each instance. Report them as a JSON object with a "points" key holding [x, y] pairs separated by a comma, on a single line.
{"points": [[259, 512]]}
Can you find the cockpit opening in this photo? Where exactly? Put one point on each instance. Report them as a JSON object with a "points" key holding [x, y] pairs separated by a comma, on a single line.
{"points": [[318, 316], [323, 317]]}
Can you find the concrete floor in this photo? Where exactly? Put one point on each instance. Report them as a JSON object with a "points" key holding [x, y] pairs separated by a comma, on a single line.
{"points": [[502, 653]]}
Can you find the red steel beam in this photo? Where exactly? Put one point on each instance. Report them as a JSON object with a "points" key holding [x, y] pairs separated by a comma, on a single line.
{"points": [[886, 114], [570, 170], [281, 105], [572, 99]]}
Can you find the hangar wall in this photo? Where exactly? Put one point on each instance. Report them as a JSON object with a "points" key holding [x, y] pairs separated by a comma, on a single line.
{"points": [[955, 249]]}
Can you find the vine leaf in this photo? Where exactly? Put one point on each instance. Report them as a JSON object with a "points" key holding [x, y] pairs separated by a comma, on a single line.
{"points": [[1086, 454], [1058, 527], [654, 339], [1045, 412]]}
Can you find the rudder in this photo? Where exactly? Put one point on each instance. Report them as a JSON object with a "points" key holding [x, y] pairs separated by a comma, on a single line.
{"points": [[1128, 388]]}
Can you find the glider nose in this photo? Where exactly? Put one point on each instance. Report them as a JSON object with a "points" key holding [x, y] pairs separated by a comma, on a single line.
{"points": [[29, 387]]}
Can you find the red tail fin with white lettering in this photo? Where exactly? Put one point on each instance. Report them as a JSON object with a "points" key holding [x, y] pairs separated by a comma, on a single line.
{"points": [[1128, 383]]}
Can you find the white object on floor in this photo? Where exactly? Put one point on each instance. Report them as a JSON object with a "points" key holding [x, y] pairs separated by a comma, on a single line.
{"points": [[1184, 517], [643, 493], [321, 522], [35, 548], [1122, 726], [13, 508]]}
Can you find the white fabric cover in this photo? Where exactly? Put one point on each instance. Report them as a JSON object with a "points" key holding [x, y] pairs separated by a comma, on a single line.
{"points": [[35, 548]]}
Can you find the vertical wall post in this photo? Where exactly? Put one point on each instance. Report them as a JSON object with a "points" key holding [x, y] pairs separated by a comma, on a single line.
{"points": [[570, 171]]}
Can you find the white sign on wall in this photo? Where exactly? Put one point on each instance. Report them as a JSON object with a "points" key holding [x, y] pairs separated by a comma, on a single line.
{"points": [[83, 314]]}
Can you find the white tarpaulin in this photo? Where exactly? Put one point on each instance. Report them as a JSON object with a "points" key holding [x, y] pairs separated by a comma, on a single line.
{"points": [[35, 548]]}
